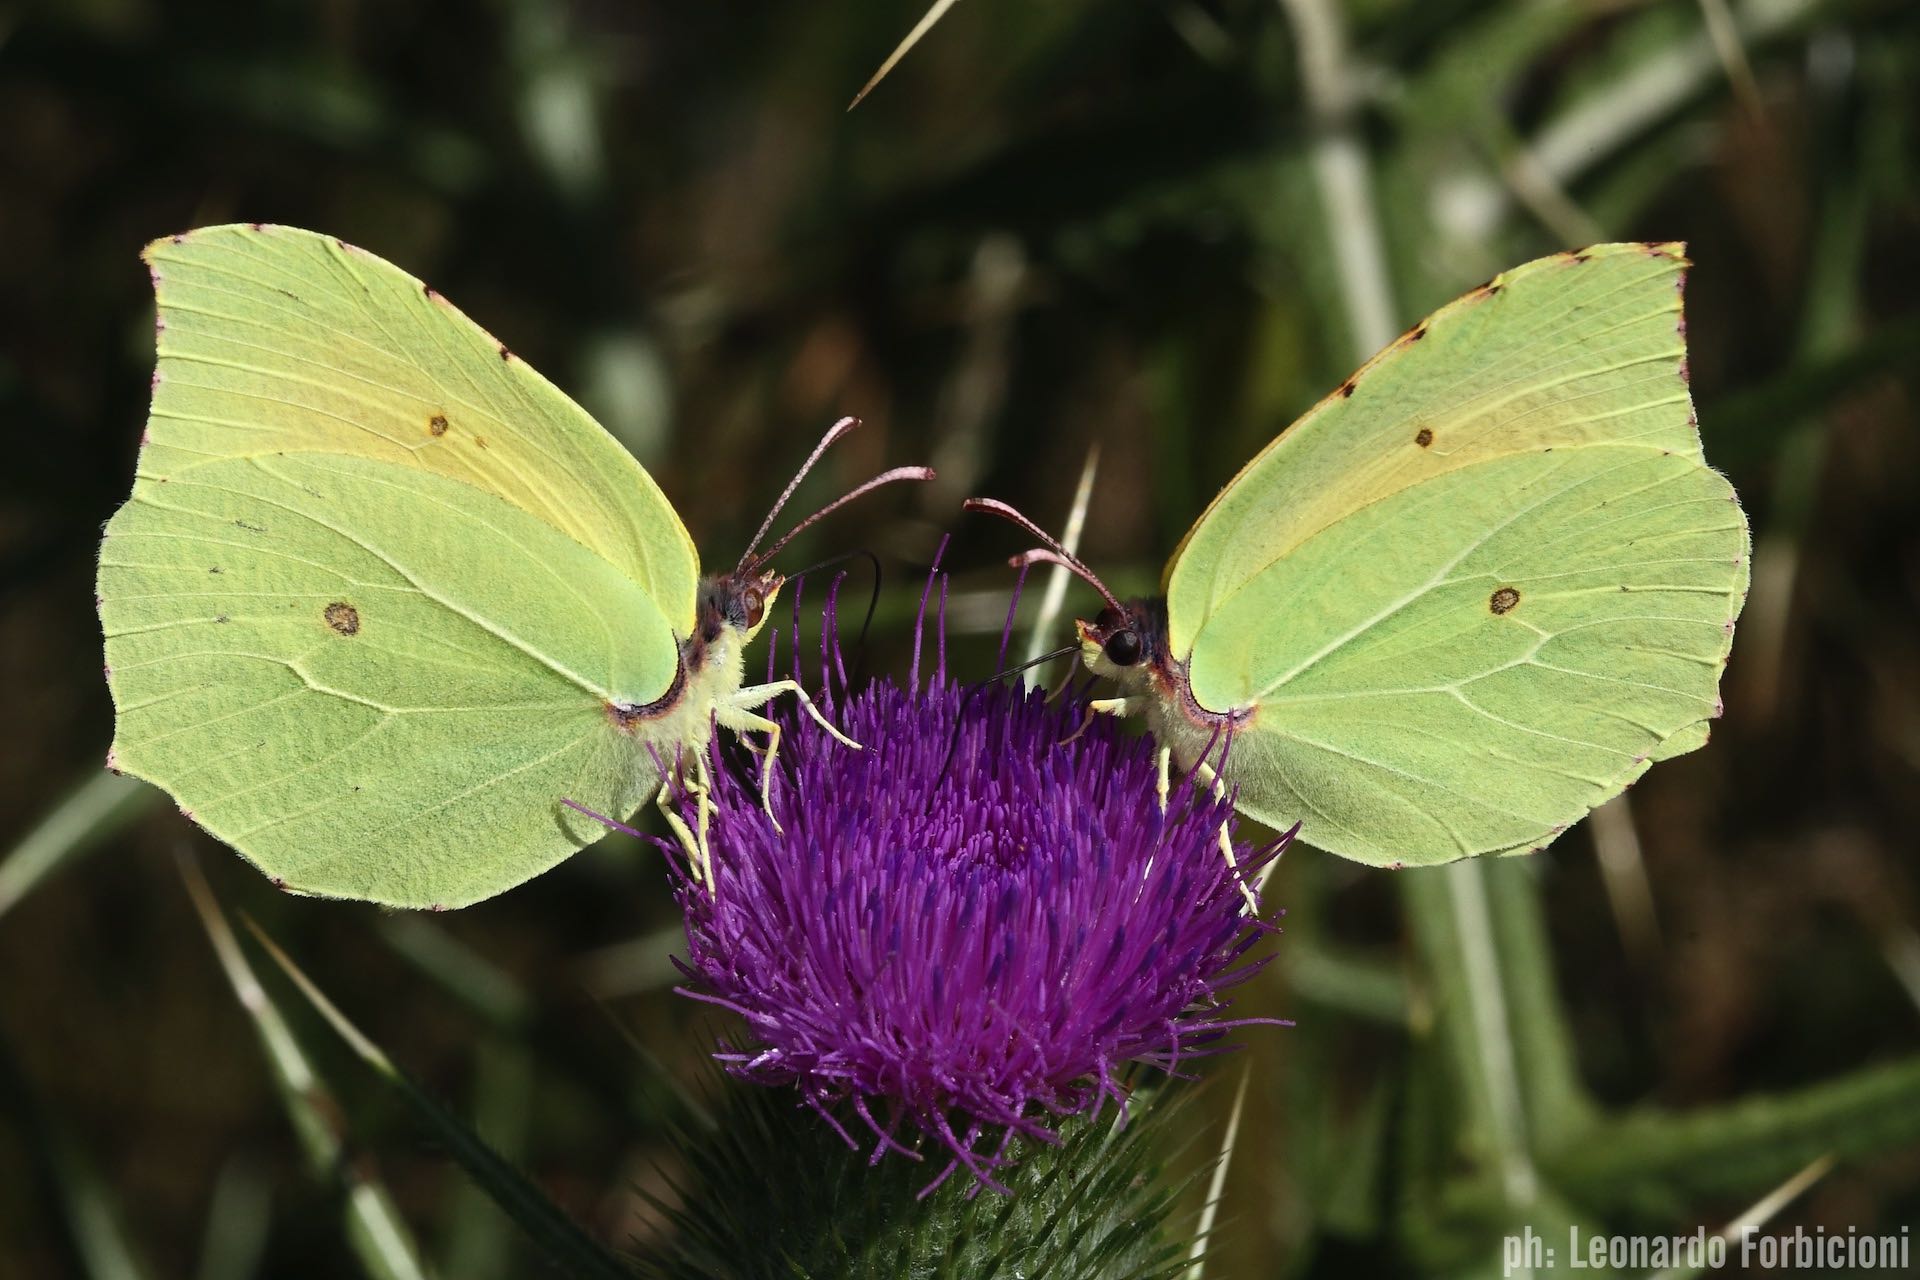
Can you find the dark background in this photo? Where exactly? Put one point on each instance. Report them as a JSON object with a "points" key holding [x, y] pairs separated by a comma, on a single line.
{"points": [[1059, 223]]}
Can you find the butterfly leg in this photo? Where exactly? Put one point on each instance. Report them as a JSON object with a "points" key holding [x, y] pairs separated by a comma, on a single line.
{"points": [[742, 717], [696, 862], [701, 787], [747, 720], [758, 695], [1210, 777]]}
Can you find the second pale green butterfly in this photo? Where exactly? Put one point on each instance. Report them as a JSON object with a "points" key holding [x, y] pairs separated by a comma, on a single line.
{"points": [[383, 597], [1467, 597]]}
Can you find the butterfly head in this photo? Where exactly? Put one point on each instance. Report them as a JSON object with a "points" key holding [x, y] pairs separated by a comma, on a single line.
{"points": [[739, 602], [1124, 638]]}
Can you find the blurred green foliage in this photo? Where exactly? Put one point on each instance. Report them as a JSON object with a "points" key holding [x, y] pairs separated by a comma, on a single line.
{"points": [[1056, 223]]}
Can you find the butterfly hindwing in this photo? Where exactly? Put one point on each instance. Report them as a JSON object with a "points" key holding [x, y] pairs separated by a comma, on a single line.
{"points": [[373, 681]]}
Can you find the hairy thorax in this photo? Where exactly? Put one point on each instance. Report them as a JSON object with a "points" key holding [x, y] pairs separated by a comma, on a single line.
{"points": [[1161, 691], [1129, 645], [711, 672]]}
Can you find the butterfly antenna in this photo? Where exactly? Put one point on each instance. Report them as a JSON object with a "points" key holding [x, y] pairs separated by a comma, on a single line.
{"points": [[834, 434], [882, 478], [752, 562], [1051, 553], [1042, 660]]}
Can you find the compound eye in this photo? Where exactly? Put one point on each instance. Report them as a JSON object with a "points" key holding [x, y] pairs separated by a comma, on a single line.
{"points": [[755, 604], [1122, 648]]}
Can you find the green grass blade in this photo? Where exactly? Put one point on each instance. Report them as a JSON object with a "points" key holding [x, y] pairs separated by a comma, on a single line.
{"points": [[1760, 1213], [551, 1230], [375, 1231], [476, 1244], [1651, 1159], [491, 993], [73, 1188], [98, 1232], [1451, 913], [1557, 1105], [1347, 981], [88, 814], [1217, 1181], [237, 1223], [936, 11]]}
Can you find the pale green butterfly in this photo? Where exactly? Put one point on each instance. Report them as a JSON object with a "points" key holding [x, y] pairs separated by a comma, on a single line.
{"points": [[1467, 597], [384, 598]]}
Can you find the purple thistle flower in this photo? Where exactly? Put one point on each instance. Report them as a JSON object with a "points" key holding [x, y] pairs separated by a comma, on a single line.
{"points": [[971, 923]]}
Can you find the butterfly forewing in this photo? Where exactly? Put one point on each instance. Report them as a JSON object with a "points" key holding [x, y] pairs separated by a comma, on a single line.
{"points": [[273, 339]]}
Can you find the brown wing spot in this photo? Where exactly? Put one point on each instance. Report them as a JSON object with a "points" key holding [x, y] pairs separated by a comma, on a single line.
{"points": [[1346, 388], [427, 289], [1503, 599], [1423, 437], [1416, 333], [437, 425], [481, 441], [504, 353], [1582, 256], [342, 617]]}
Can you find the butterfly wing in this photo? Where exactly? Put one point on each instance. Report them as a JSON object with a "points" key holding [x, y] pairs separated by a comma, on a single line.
{"points": [[378, 586], [278, 340], [1476, 590]]}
